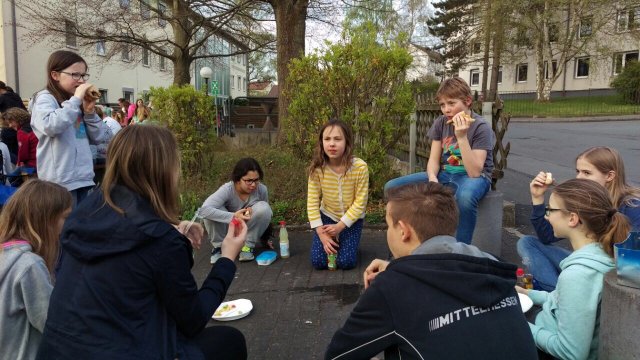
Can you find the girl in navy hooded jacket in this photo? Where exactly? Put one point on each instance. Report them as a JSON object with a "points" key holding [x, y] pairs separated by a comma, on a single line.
{"points": [[124, 288]]}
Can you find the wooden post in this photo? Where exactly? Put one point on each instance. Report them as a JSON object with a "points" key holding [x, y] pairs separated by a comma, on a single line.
{"points": [[487, 111], [413, 138]]}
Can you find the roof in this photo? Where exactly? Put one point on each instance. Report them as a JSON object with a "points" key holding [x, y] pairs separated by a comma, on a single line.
{"points": [[275, 91], [259, 85], [434, 55]]}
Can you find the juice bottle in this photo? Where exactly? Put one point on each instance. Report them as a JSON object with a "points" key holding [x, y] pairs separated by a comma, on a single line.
{"points": [[284, 240], [524, 280]]}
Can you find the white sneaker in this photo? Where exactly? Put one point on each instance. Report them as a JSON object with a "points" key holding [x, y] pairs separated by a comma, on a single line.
{"points": [[215, 255]]}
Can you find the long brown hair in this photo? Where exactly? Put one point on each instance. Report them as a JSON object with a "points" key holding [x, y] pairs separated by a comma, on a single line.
{"points": [[145, 160], [593, 205], [320, 158], [32, 213], [607, 159], [58, 61]]}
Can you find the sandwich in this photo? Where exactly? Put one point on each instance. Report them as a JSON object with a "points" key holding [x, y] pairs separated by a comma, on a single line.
{"points": [[92, 93], [549, 179], [464, 115]]}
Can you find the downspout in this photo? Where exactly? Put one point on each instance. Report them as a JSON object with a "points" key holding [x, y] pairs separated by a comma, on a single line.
{"points": [[15, 47]]}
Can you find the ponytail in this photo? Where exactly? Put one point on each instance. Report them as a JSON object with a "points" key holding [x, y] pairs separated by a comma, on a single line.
{"points": [[616, 232]]}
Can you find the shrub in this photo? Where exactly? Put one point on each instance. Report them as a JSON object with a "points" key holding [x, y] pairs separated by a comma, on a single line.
{"points": [[627, 83], [190, 114], [361, 82]]}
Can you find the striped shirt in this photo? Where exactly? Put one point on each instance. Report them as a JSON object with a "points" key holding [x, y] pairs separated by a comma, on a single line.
{"points": [[340, 197]]}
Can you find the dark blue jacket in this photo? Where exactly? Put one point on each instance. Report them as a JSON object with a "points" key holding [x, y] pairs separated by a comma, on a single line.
{"points": [[124, 289]]}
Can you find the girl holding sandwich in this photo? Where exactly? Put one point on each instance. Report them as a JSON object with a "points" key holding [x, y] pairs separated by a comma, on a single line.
{"points": [[65, 122]]}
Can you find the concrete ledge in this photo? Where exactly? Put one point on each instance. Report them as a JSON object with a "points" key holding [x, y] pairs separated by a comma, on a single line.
{"points": [[508, 214], [619, 319], [488, 233]]}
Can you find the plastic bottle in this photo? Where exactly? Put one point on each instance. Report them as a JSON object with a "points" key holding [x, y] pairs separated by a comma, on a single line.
{"points": [[524, 280], [331, 262], [284, 240]]}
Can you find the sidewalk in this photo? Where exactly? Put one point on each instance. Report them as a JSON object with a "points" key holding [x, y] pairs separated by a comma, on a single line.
{"points": [[635, 117], [296, 309]]}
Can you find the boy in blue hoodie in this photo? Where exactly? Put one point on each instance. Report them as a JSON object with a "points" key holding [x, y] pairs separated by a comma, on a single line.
{"points": [[439, 298]]}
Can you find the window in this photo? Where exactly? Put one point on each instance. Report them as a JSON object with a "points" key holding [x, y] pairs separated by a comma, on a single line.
{"points": [[521, 72], [124, 4], [163, 66], [554, 69], [145, 57], [582, 67], [475, 48], [104, 96], [500, 75], [474, 78], [628, 19], [233, 81], [586, 27], [101, 48], [162, 9], [244, 84], [621, 60], [70, 36], [127, 94], [145, 11], [239, 83], [126, 53], [553, 32]]}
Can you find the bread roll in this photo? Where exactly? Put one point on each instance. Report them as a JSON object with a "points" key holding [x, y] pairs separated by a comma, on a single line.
{"points": [[92, 93], [549, 179], [464, 115]]}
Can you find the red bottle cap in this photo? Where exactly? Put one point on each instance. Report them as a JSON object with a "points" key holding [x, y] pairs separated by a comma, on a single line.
{"points": [[283, 223], [520, 272]]}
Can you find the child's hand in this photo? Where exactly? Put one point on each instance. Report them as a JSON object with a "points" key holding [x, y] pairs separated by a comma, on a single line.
{"points": [[329, 244], [376, 267], [243, 214], [335, 229], [461, 124], [193, 231], [538, 187], [522, 290], [233, 242]]}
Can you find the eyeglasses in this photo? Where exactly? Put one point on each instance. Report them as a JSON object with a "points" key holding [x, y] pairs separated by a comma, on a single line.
{"points": [[548, 210], [76, 76], [251, 181]]}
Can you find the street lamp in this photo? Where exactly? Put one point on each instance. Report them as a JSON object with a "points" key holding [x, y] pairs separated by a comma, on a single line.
{"points": [[206, 73]]}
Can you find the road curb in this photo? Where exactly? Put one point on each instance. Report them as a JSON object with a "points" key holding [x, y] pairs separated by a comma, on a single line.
{"points": [[576, 119]]}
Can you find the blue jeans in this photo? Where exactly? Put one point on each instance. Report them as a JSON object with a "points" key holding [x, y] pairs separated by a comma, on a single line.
{"points": [[468, 191], [542, 260]]}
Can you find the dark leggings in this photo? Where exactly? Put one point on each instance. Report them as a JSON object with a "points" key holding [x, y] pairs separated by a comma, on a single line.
{"points": [[222, 342]]}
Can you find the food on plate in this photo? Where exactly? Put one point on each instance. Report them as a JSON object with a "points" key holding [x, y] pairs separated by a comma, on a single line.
{"points": [[549, 179], [464, 115], [225, 309]]}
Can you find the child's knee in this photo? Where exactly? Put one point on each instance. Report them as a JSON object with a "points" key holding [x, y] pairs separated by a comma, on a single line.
{"points": [[525, 243], [261, 210]]}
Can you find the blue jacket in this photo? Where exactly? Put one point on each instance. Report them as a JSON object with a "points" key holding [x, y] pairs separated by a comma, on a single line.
{"points": [[124, 289], [569, 323]]}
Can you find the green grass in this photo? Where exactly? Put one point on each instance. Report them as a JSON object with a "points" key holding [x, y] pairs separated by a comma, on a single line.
{"points": [[571, 107]]}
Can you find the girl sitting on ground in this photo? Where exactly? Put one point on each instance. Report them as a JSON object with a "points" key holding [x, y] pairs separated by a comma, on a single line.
{"points": [[567, 326], [243, 198], [603, 165], [338, 190], [30, 225]]}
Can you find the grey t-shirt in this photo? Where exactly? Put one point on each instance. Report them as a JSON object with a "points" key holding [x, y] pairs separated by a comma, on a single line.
{"points": [[480, 136], [222, 204]]}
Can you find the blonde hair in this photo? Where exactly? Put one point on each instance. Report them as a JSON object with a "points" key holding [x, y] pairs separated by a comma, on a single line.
{"points": [[31, 214], [320, 158], [145, 160], [607, 159], [594, 207]]}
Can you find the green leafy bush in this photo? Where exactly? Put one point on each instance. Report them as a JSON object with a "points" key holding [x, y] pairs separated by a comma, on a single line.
{"points": [[360, 81], [627, 83], [190, 114]]}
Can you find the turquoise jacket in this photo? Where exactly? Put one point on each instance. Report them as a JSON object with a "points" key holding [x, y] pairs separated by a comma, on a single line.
{"points": [[568, 325]]}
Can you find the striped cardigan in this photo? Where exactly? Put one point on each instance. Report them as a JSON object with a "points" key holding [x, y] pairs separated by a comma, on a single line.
{"points": [[340, 197]]}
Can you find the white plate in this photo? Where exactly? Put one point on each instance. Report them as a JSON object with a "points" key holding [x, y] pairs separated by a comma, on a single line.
{"points": [[236, 309], [525, 302]]}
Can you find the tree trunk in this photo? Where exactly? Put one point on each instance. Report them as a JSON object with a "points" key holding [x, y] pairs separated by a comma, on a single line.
{"points": [[181, 59], [291, 18], [498, 40]]}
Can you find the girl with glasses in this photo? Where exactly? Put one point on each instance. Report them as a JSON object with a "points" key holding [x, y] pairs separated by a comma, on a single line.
{"points": [[244, 198], [581, 211], [65, 121], [601, 164]]}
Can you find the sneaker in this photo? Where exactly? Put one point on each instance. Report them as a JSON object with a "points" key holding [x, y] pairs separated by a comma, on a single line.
{"points": [[246, 254], [216, 254]]}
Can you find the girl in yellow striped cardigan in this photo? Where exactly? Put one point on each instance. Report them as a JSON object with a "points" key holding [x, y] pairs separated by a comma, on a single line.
{"points": [[337, 197]]}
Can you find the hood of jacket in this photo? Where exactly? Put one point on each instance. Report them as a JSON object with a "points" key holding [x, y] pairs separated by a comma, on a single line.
{"points": [[592, 256], [89, 234], [10, 255], [463, 272]]}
